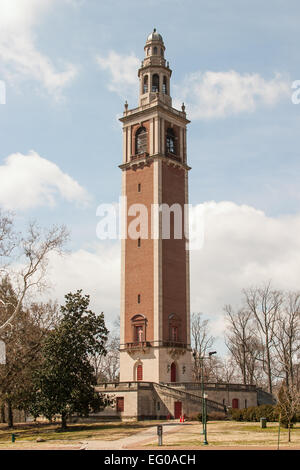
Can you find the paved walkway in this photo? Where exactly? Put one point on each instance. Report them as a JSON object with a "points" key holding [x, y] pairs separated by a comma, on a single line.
{"points": [[138, 439]]}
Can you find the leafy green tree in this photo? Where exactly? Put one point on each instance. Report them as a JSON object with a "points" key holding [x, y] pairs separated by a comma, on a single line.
{"points": [[65, 381]]}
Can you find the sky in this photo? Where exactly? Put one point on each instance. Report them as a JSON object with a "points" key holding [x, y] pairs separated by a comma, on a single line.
{"points": [[69, 65]]}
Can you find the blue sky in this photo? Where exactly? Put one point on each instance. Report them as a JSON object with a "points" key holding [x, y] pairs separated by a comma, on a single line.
{"points": [[64, 94]]}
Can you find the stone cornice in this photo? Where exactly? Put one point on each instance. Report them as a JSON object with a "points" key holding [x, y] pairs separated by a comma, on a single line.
{"points": [[146, 161], [143, 111]]}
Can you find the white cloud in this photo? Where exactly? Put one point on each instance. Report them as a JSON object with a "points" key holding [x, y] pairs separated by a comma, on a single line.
{"points": [[242, 247], [123, 72], [29, 180], [19, 57], [211, 95], [207, 94], [97, 273]]}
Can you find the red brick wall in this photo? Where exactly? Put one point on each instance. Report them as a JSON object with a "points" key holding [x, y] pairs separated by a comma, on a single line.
{"points": [[139, 261], [174, 256]]}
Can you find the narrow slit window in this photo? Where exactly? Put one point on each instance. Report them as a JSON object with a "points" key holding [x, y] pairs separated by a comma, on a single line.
{"points": [[139, 242], [139, 298], [139, 187]]}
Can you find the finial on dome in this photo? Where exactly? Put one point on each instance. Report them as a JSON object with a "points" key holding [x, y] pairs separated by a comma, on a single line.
{"points": [[155, 36]]}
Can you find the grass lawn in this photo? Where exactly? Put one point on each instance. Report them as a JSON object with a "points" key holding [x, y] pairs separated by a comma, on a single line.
{"points": [[220, 434], [231, 434], [76, 433]]}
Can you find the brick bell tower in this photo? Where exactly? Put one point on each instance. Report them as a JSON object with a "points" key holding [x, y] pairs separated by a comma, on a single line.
{"points": [[155, 304]]}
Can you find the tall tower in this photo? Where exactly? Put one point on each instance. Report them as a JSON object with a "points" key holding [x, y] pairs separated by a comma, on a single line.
{"points": [[155, 307]]}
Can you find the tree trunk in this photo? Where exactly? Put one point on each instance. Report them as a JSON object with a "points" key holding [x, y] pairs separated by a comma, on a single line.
{"points": [[289, 432], [269, 373], [10, 414], [64, 420], [2, 412]]}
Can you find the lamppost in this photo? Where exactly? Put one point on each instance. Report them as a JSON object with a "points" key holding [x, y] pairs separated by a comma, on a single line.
{"points": [[204, 419], [204, 397]]}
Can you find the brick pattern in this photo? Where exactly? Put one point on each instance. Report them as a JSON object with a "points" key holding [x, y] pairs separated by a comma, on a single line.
{"points": [[174, 256], [139, 260]]}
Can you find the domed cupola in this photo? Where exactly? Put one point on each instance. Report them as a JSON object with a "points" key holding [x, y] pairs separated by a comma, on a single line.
{"points": [[155, 36], [154, 72]]}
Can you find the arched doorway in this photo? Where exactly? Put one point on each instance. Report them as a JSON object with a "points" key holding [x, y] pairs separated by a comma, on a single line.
{"points": [[235, 403], [173, 372], [139, 372]]}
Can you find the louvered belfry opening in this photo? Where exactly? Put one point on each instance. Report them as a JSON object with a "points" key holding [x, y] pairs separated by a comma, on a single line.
{"points": [[141, 141]]}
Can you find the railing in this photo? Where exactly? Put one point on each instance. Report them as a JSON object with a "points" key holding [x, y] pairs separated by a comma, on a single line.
{"points": [[138, 345], [173, 156], [150, 105], [211, 386], [174, 344], [140, 155], [191, 396], [122, 386]]}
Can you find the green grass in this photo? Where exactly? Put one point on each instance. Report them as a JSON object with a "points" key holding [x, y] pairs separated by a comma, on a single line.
{"points": [[75, 432], [231, 434]]}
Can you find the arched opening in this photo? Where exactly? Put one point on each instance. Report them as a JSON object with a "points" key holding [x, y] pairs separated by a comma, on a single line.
{"points": [[148, 51], [235, 403], [139, 372], [155, 50], [170, 141], [155, 83], [173, 372], [141, 138], [164, 87], [139, 323], [145, 88]]}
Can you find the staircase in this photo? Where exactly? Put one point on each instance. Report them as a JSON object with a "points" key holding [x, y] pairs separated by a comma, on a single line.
{"points": [[185, 396], [265, 398]]}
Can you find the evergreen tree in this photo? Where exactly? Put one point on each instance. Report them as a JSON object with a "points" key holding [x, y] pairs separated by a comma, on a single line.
{"points": [[65, 381]]}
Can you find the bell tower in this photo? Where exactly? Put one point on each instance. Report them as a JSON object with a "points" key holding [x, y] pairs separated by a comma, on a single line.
{"points": [[155, 303]]}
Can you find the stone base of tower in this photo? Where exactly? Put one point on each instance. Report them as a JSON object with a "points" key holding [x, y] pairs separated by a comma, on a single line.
{"points": [[161, 364], [150, 400]]}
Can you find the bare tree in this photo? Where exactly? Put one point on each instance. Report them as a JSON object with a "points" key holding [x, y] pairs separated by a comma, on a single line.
{"points": [[107, 367], [228, 371], [7, 236], [242, 342], [288, 402], [264, 304], [202, 341], [24, 259], [287, 336], [23, 341]]}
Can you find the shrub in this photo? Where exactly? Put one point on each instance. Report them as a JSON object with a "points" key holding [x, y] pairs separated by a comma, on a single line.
{"points": [[236, 414], [254, 413], [216, 416]]}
